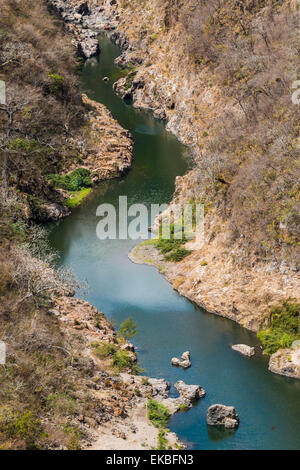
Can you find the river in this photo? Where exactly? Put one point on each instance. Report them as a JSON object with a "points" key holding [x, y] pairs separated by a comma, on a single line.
{"points": [[168, 324]]}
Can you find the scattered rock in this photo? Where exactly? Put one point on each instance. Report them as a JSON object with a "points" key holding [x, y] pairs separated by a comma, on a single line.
{"points": [[90, 422], [244, 349], [221, 415], [159, 114], [185, 361]]}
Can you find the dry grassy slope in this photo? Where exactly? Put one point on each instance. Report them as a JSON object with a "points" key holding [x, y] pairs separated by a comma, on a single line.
{"points": [[225, 86]]}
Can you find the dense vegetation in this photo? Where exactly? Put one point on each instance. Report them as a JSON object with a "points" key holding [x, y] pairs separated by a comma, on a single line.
{"points": [[284, 327], [171, 247], [158, 414], [75, 181]]}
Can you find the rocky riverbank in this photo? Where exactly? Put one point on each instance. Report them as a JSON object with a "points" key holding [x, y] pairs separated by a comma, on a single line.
{"points": [[123, 421]]}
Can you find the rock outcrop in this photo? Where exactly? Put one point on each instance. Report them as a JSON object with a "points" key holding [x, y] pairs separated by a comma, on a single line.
{"points": [[83, 23], [286, 362], [53, 212], [244, 349], [190, 393], [185, 361], [221, 415], [107, 150], [160, 388]]}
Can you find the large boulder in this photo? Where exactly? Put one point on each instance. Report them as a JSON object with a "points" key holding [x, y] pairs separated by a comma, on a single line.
{"points": [[190, 393], [221, 415], [244, 349]]}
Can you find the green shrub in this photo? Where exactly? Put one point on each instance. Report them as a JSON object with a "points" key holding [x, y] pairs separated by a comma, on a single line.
{"points": [[171, 247], [76, 197], [121, 360], [17, 425], [284, 327], [75, 435], [165, 246], [136, 369], [162, 441], [178, 254], [128, 328], [103, 350], [57, 83], [75, 181], [31, 149], [184, 408], [158, 414]]}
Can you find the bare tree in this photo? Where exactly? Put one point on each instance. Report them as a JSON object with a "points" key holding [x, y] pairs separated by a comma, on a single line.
{"points": [[17, 99], [35, 277]]}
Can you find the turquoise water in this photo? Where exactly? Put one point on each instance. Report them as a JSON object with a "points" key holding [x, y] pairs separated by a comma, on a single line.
{"points": [[268, 405]]}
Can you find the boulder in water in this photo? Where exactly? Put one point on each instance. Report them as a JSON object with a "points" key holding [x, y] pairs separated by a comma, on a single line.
{"points": [[244, 349], [221, 415]]}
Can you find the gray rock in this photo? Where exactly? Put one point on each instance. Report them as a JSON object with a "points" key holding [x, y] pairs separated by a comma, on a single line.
{"points": [[159, 113], [221, 415], [191, 393], [88, 47], [53, 212], [175, 361], [244, 349], [184, 362], [186, 356], [160, 388], [128, 347]]}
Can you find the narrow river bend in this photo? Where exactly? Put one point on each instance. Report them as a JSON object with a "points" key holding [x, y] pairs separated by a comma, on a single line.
{"points": [[268, 405]]}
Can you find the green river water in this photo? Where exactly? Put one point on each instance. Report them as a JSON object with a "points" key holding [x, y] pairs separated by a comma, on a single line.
{"points": [[268, 405]]}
